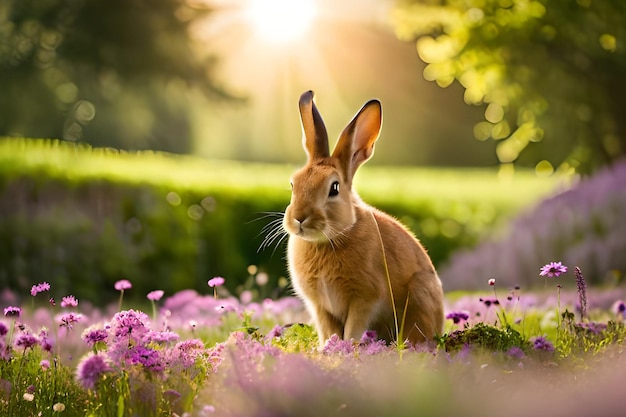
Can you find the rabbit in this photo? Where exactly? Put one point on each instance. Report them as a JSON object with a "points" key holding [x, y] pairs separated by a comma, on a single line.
{"points": [[343, 255]]}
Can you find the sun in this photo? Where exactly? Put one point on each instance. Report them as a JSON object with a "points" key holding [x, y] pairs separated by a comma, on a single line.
{"points": [[280, 21]]}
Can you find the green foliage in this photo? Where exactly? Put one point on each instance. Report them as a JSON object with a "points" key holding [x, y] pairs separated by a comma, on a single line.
{"points": [[549, 72], [484, 336], [23, 374], [84, 217], [95, 69], [298, 337]]}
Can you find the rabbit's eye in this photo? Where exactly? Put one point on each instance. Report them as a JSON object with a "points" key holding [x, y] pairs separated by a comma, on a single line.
{"points": [[334, 189]]}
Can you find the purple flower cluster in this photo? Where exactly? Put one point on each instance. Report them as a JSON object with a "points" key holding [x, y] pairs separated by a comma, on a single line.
{"points": [[581, 226], [457, 316], [41, 287], [540, 343]]}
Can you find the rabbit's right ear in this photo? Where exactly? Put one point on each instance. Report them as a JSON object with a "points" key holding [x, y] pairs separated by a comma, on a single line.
{"points": [[314, 135]]}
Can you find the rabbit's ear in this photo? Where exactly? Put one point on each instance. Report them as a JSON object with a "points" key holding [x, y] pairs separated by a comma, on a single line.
{"points": [[314, 135], [356, 143]]}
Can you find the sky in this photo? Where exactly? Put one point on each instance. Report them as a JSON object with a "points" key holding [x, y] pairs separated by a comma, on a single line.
{"points": [[347, 53]]}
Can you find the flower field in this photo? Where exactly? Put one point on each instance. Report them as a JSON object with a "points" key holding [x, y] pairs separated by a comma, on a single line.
{"points": [[503, 351]]}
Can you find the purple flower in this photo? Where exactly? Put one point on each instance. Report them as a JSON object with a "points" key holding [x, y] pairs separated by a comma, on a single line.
{"points": [[619, 307], [553, 270], [216, 282], [543, 344], [90, 370], [155, 295], [335, 345], [26, 340], [516, 352], [93, 336], [129, 322], [69, 301], [12, 311], [45, 364], [149, 358], [44, 340], [369, 336], [457, 316], [69, 319], [3, 329], [123, 284], [277, 331], [582, 292], [41, 287]]}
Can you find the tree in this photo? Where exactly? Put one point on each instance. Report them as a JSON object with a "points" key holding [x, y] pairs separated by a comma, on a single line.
{"points": [[549, 72], [112, 72]]}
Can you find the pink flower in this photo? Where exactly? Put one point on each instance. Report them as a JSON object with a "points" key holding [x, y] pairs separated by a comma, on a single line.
{"points": [[69, 301], [90, 370], [492, 282], [123, 284], [155, 295], [36, 289], [216, 282], [553, 269]]}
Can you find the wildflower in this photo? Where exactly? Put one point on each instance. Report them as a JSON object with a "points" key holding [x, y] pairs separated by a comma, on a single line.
{"points": [[543, 344], [337, 345], [58, 407], [516, 352], [26, 340], [488, 302], [12, 311], [52, 302], [553, 270], [41, 287], [68, 320], [457, 316], [92, 336], [45, 364], [492, 282], [28, 396], [149, 358], [155, 295], [44, 341], [3, 329], [216, 282], [277, 331], [129, 322], [123, 284], [69, 301], [90, 369], [582, 292]]}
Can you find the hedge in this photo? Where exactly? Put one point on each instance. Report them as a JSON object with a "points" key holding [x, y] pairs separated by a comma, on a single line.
{"points": [[84, 218]]}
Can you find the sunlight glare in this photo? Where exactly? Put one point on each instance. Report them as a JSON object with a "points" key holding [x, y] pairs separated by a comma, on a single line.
{"points": [[281, 20]]}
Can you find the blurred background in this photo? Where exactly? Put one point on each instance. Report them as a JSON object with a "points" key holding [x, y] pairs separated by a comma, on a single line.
{"points": [[501, 85]]}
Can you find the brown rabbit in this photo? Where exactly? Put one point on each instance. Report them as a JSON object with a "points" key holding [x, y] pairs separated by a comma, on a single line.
{"points": [[344, 255]]}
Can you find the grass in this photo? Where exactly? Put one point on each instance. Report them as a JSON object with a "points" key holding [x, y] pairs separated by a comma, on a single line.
{"points": [[216, 354], [443, 187]]}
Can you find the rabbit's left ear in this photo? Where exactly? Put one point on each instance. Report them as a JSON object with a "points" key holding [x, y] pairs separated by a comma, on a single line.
{"points": [[356, 143]]}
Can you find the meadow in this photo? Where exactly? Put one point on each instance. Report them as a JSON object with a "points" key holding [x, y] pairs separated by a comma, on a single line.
{"points": [[504, 351], [137, 345]]}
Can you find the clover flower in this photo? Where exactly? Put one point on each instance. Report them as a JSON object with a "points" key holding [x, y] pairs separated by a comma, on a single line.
{"points": [[216, 282], [69, 301], [458, 316], [93, 336], [336, 345], [12, 311], [41, 287], [26, 340], [90, 369], [155, 295], [543, 344], [69, 319], [123, 284], [553, 270]]}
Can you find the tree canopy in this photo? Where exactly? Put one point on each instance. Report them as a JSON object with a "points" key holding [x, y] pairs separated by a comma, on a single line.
{"points": [[549, 72], [130, 62]]}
